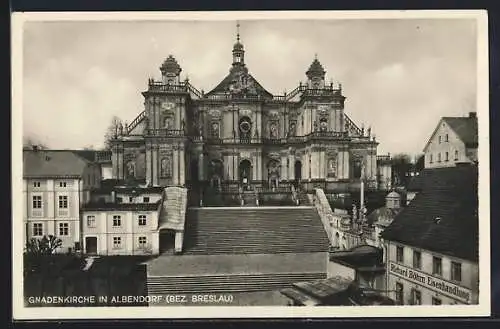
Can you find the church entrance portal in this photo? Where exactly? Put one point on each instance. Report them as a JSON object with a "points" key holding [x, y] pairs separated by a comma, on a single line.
{"points": [[245, 173], [298, 173]]}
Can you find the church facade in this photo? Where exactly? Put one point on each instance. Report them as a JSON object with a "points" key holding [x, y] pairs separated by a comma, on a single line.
{"points": [[240, 134]]}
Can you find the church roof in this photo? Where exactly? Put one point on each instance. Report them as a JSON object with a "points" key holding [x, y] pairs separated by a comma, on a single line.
{"points": [[233, 79], [443, 217]]}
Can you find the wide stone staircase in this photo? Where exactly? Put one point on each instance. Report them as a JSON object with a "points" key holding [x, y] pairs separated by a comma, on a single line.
{"points": [[227, 283], [254, 230]]}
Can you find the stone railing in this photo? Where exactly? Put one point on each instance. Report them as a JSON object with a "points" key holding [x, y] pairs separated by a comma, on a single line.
{"points": [[325, 212]]}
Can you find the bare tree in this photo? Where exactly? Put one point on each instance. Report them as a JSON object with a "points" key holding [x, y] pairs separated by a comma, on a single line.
{"points": [[112, 131], [401, 167]]}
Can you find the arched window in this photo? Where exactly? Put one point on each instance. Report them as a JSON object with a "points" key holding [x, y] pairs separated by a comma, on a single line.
{"points": [[439, 157], [456, 155]]}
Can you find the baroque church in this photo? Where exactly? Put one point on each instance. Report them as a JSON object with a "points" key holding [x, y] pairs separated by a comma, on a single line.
{"points": [[241, 135]]}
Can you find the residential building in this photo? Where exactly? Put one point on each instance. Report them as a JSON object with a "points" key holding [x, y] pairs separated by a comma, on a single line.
{"points": [[55, 186], [453, 141], [432, 244], [122, 221]]}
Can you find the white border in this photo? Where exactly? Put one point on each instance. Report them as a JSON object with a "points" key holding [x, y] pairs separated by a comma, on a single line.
{"points": [[22, 313]]}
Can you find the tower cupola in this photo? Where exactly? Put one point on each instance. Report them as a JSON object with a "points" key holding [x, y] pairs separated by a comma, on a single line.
{"points": [[238, 50], [170, 70], [316, 74]]}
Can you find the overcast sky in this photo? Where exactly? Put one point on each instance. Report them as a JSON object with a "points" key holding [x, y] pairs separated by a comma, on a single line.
{"points": [[399, 76]]}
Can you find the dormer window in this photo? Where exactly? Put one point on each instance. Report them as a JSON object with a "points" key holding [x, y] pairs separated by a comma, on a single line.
{"points": [[439, 139]]}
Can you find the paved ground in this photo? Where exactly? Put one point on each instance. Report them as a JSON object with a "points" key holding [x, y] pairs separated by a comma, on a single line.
{"points": [[197, 265]]}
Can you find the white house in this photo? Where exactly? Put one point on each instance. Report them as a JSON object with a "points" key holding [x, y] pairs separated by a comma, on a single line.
{"points": [[55, 185]]}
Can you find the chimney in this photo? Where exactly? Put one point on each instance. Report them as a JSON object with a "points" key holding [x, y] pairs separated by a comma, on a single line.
{"points": [[472, 115]]}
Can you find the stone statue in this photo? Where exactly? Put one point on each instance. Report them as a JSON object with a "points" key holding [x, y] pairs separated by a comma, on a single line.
{"points": [[354, 212], [120, 128], [183, 125], [369, 131]]}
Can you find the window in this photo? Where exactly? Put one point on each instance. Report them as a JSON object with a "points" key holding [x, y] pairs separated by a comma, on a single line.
{"points": [[62, 184], [130, 199], [117, 220], [456, 155], [456, 271], [36, 184], [63, 201], [437, 266], [416, 297], [119, 200], [117, 242], [142, 241], [399, 254], [142, 220], [439, 157], [417, 259], [37, 229], [399, 293], [146, 199], [436, 301], [91, 221], [430, 158], [37, 202], [446, 157], [446, 138], [439, 139], [63, 229]]}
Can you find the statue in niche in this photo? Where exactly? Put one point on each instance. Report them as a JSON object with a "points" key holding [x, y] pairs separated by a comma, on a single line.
{"points": [[293, 129], [130, 169], [215, 129], [183, 125], [165, 167], [274, 130], [332, 167]]}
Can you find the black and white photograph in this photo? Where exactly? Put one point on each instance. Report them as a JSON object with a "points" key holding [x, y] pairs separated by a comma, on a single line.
{"points": [[250, 164]]}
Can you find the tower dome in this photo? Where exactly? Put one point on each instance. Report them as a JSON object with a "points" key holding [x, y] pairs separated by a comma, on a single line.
{"points": [[315, 70], [170, 66]]}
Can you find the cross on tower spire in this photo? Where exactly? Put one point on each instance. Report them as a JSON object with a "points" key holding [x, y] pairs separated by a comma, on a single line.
{"points": [[238, 31]]}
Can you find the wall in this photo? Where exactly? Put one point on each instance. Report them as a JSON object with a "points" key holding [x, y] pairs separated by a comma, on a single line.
{"points": [[468, 282], [337, 269], [129, 232], [50, 216]]}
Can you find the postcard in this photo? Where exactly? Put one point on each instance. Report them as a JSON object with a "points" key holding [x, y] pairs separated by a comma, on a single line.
{"points": [[250, 164]]}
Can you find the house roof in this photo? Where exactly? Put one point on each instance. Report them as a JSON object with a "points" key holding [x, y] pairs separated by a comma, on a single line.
{"points": [[465, 128], [443, 216], [103, 206], [49, 163]]}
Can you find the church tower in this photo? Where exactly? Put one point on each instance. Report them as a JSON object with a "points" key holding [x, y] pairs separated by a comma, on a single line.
{"points": [[165, 108], [316, 75]]}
